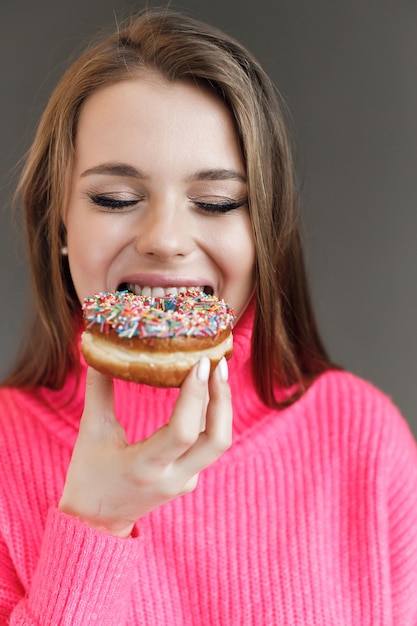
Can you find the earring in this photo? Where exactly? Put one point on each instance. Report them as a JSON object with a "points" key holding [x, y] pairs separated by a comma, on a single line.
{"points": [[64, 251]]}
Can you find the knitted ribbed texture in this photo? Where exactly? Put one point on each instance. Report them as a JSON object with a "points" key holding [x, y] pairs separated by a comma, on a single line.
{"points": [[309, 519]]}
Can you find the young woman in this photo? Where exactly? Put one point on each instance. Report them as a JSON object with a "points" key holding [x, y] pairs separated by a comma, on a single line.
{"points": [[283, 491]]}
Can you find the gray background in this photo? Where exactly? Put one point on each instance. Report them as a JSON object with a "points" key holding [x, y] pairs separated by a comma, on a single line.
{"points": [[347, 70]]}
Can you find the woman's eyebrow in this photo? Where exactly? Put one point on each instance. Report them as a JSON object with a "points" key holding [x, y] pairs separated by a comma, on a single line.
{"points": [[125, 170], [218, 174], [115, 169]]}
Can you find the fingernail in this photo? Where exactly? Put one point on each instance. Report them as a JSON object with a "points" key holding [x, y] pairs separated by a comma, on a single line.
{"points": [[203, 370], [223, 369]]}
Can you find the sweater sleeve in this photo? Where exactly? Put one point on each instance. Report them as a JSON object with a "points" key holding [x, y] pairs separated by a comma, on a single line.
{"points": [[402, 503], [83, 577]]}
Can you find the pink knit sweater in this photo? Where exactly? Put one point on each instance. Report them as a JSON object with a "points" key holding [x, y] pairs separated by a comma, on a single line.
{"points": [[309, 519]]}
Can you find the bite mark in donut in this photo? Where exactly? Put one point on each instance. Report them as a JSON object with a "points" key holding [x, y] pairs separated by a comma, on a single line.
{"points": [[155, 340]]}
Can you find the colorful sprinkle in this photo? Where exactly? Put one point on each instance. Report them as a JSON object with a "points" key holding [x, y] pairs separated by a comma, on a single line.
{"points": [[192, 313]]}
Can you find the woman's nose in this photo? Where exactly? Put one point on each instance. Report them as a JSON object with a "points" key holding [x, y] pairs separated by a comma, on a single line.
{"points": [[164, 233]]}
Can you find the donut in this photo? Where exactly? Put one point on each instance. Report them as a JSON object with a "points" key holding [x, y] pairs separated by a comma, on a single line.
{"points": [[155, 340]]}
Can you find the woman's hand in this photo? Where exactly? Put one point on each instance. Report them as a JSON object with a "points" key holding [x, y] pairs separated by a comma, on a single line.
{"points": [[111, 484]]}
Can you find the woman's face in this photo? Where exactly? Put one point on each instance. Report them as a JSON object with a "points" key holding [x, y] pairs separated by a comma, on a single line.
{"points": [[158, 198]]}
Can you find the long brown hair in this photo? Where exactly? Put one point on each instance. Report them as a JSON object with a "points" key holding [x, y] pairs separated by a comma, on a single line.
{"points": [[286, 345]]}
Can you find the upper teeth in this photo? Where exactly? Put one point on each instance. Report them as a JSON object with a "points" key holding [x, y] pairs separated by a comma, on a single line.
{"points": [[159, 291]]}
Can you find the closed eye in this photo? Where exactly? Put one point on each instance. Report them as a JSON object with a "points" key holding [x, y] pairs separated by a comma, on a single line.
{"points": [[219, 207], [111, 203]]}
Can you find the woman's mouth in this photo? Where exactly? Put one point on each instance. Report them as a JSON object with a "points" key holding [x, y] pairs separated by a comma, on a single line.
{"points": [[154, 292]]}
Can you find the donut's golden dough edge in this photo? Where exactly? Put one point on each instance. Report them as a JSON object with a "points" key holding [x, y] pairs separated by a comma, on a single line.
{"points": [[160, 375]]}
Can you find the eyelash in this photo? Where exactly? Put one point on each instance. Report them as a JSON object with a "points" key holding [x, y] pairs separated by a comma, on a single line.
{"points": [[111, 204], [222, 207], [115, 204]]}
